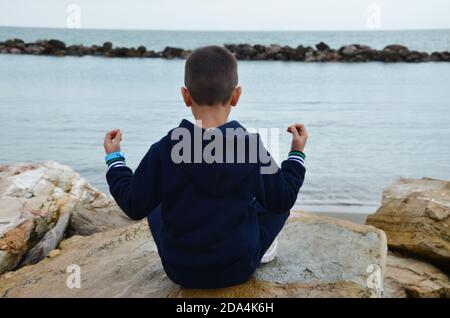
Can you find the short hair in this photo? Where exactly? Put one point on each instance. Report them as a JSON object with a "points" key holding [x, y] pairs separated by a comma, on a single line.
{"points": [[211, 75]]}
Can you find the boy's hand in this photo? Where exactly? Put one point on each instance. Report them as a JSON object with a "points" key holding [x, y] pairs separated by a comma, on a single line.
{"points": [[299, 137], [112, 141]]}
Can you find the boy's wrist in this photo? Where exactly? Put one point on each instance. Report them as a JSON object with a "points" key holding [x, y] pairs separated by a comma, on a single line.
{"points": [[297, 148], [115, 158], [297, 156], [113, 155], [298, 152]]}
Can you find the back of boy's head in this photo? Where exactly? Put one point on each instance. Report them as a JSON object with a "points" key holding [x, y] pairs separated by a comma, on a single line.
{"points": [[211, 75]]}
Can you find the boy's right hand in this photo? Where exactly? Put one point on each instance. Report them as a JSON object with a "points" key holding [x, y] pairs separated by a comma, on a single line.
{"points": [[112, 141], [299, 137]]}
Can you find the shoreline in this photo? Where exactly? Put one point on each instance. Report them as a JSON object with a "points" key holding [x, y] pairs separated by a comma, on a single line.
{"points": [[353, 213], [358, 218], [322, 52]]}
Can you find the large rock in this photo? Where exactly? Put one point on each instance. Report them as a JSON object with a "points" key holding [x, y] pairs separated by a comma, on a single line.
{"points": [[36, 197], [49, 242], [322, 46], [57, 44], [353, 50], [409, 277], [415, 216], [318, 257], [172, 52]]}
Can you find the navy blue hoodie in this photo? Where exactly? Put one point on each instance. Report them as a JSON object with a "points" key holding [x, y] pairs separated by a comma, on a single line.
{"points": [[209, 235]]}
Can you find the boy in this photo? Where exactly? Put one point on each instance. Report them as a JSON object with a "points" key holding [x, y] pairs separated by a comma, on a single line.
{"points": [[213, 211]]}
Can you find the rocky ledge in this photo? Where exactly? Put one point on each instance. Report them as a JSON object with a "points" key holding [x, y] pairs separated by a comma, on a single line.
{"points": [[60, 237], [318, 257], [320, 53], [411, 277], [41, 204], [415, 214]]}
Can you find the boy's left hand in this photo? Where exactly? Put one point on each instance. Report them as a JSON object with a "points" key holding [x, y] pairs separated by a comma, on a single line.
{"points": [[112, 141]]}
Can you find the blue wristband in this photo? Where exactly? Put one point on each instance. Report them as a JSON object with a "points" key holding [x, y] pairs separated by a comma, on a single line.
{"points": [[114, 155]]}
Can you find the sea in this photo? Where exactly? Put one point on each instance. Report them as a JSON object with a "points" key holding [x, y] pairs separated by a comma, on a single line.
{"points": [[369, 123]]}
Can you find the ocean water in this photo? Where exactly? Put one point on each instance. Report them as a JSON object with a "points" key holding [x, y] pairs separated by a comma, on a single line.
{"points": [[369, 123], [424, 40]]}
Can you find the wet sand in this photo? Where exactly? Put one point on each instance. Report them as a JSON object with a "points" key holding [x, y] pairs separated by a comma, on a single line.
{"points": [[359, 218]]}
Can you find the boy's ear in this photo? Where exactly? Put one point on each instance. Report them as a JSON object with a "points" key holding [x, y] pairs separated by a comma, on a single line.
{"points": [[235, 96], [186, 96]]}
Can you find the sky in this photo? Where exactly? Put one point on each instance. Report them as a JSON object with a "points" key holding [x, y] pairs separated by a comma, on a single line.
{"points": [[228, 14]]}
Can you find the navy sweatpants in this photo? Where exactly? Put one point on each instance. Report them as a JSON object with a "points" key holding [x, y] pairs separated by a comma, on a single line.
{"points": [[270, 225]]}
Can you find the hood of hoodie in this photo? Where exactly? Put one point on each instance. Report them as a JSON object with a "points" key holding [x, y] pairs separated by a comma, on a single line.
{"points": [[220, 176]]}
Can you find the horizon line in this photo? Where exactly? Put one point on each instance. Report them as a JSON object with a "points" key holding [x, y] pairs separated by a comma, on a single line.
{"points": [[224, 30]]}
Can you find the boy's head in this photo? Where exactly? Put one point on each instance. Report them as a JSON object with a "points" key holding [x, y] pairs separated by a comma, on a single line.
{"points": [[211, 78]]}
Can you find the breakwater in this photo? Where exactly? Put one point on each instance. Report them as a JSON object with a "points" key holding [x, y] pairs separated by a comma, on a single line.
{"points": [[320, 53]]}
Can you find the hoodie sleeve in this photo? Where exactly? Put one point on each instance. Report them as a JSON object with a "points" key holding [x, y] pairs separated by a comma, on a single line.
{"points": [[278, 191], [136, 194]]}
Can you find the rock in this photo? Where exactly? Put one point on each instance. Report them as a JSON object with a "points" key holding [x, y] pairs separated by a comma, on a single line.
{"points": [[132, 52], [415, 216], [119, 52], [415, 57], [435, 57], [391, 57], [409, 277], [259, 48], [310, 56], [233, 47], [77, 50], [333, 56], [54, 253], [322, 46], [38, 200], [14, 243], [355, 53], [318, 257], [288, 53], [260, 57], [152, 54], [396, 53], [395, 48], [185, 54], [247, 50], [359, 58], [14, 46], [172, 52], [49, 242], [34, 49], [280, 57], [142, 50], [96, 50], [273, 49], [57, 44], [42, 43], [15, 51], [445, 56], [59, 53], [348, 51], [107, 46], [14, 42], [299, 53]]}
